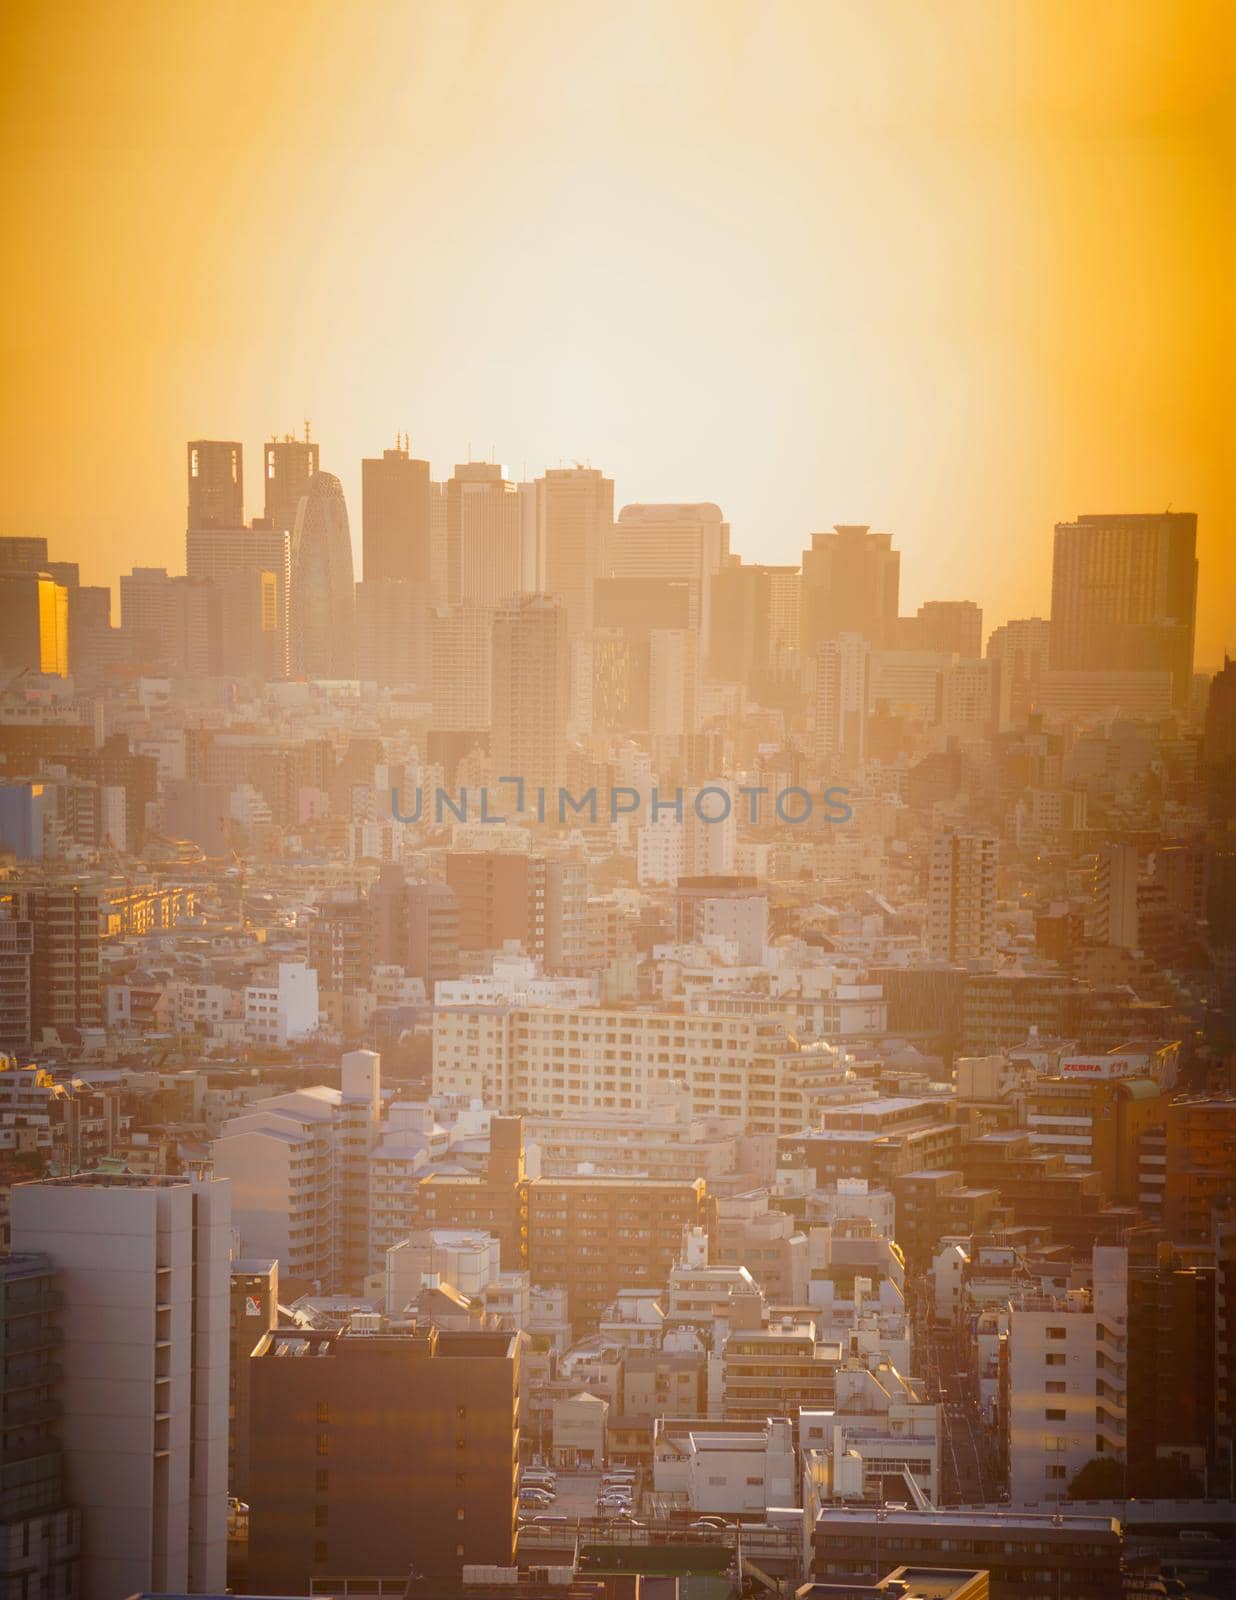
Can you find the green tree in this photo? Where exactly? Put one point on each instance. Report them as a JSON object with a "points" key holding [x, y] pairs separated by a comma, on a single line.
{"points": [[1102, 1478]]}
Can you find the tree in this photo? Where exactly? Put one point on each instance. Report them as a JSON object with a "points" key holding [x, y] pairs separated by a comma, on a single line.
{"points": [[1102, 1478]]}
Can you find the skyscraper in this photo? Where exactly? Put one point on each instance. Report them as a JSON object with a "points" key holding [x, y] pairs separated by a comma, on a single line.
{"points": [[289, 465], [322, 608], [1124, 595], [531, 692], [1022, 647], [34, 623], [851, 582], [575, 506], [395, 517], [685, 542], [486, 535], [843, 671], [216, 484], [961, 897], [142, 1267], [246, 555]]}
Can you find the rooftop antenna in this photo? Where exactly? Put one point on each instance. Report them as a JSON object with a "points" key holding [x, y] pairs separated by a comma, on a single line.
{"points": [[306, 430]]}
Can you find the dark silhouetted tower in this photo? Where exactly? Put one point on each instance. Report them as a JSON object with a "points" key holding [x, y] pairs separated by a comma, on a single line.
{"points": [[1124, 595], [288, 466], [216, 483], [395, 517]]}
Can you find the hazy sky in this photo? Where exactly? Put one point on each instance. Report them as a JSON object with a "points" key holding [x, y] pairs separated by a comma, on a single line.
{"points": [[955, 270]]}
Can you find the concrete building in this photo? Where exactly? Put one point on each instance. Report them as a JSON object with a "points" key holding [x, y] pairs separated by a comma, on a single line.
{"points": [[253, 1310], [1124, 595], [145, 1419], [675, 543], [1073, 1557], [395, 517], [40, 1531], [961, 897], [575, 510], [281, 1012], [1067, 1381], [34, 624], [298, 1163], [842, 693], [551, 1058], [531, 696], [850, 584], [382, 1454]]}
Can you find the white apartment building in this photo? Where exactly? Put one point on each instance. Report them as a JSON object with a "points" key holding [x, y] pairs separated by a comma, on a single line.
{"points": [[281, 1012], [463, 1257], [550, 1059], [299, 1169], [142, 1264], [1067, 1359]]}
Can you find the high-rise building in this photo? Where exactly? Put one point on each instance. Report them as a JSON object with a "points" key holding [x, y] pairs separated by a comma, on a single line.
{"points": [[1023, 648], [23, 553], [65, 916], [290, 464], [1124, 595], [40, 1532], [142, 1271], [1067, 1380], [414, 926], [531, 693], [684, 543], [16, 961], [755, 622], [1116, 878], [842, 687], [382, 1453], [851, 583], [487, 536], [673, 683], [1171, 1375], [173, 624], [253, 633], [954, 627], [395, 517], [575, 508], [216, 483], [461, 667], [322, 606], [34, 623], [218, 554], [392, 631], [961, 897]]}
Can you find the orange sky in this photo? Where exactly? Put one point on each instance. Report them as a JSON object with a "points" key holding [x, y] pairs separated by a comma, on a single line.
{"points": [[956, 270]]}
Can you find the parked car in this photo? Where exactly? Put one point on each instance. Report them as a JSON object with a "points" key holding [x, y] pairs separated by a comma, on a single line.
{"points": [[535, 1500]]}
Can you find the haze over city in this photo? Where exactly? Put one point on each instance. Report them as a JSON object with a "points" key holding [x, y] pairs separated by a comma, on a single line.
{"points": [[618, 801], [956, 272]]}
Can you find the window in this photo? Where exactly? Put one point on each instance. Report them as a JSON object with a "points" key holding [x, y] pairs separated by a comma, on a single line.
{"points": [[323, 1411], [321, 1480], [1057, 1388], [1056, 1360], [323, 1444], [1057, 1472], [319, 1516], [1056, 1333], [321, 1553], [1057, 1415], [459, 1513]]}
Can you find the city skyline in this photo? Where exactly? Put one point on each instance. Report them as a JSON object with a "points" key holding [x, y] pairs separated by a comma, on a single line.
{"points": [[965, 284]]}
